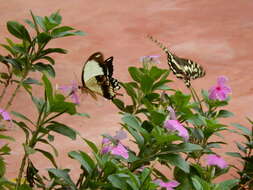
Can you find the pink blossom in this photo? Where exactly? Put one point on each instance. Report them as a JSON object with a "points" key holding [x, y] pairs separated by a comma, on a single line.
{"points": [[105, 140], [172, 113], [168, 185], [174, 125], [120, 135], [150, 59], [215, 160], [120, 150], [220, 91], [5, 115], [106, 149], [72, 90]]}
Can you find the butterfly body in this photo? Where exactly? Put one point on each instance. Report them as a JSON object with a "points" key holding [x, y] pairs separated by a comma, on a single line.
{"points": [[184, 69], [97, 77]]}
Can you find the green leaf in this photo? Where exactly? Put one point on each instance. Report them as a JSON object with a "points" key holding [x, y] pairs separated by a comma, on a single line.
{"points": [[64, 31], [59, 105], [63, 174], [119, 104], [62, 129], [29, 150], [157, 118], [53, 50], [30, 23], [17, 64], [225, 114], [135, 73], [197, 185], [39, 102], [130, 91], [84, 160], [39, 21], [31, 81], [6, 137], [132, 121], [49, 59], [245, 130], [5, 150], [117, 182], [228, 184], [146, 84], [18, 30], [48, 88], [176, 160], [48, 155], [156, 73], [45, 69], [24, 187], [234, 154], [2, 168], [43, 38], [83, 115], [50, 138], [91, 145], [56, 18], [21, 116]]}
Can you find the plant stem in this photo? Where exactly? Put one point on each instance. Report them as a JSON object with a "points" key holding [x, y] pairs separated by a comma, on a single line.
{"points": [[3, 93], [196, 96], [13, 95], [21, 171]]}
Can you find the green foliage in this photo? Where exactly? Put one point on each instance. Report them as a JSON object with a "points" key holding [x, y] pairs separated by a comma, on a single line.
{"points": [[146, 119]]}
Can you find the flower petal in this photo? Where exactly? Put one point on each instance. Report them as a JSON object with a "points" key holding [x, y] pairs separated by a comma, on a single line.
{"points": [[222, 80], [6, 116], [120, 135], [120, 150], [172, 113], [176, 126], [215, 160]]}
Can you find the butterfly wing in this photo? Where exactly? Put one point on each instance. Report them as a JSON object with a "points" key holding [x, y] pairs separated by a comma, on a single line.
{"points": [[109, 67], [97, 76], [91, 70], [185, 69]]}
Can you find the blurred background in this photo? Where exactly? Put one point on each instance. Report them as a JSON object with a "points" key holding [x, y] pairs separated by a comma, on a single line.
{"points": [[217, 34]]}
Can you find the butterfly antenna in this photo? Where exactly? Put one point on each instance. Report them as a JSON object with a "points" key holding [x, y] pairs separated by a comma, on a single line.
{"points": [[164, 48]]}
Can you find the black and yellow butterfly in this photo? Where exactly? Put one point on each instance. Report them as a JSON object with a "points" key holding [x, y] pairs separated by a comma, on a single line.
{"points": [[97, 77], [184, 69]]}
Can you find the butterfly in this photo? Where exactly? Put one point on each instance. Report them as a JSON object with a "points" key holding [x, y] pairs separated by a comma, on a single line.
{"points": [[184, 69], [97, 77]]}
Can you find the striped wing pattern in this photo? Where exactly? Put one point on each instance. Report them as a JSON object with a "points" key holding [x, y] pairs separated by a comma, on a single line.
{"points": [[184, 69]]}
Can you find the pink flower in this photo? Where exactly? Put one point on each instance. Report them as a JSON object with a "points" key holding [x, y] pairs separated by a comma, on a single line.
{"points": [[150, 59], [174, 125], [105, 140], [120, 150], [5, 115], [172, 113], [106, 149], [72, 90], [220, 91], [168, 185], [215, 160], [120, 135]]}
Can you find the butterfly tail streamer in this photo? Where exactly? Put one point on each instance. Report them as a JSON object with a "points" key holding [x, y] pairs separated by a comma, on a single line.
{"points": [[160, 44]]}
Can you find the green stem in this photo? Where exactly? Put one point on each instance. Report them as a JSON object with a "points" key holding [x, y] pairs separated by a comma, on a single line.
{"points": [[3, 93], [21, 171], [197, 97], [13, 95]]}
